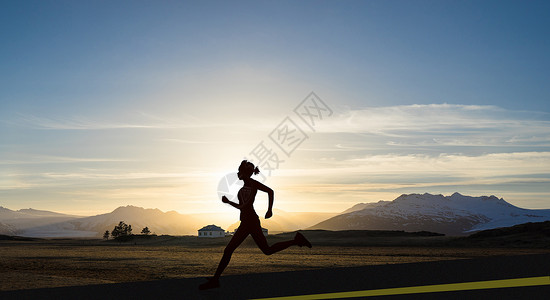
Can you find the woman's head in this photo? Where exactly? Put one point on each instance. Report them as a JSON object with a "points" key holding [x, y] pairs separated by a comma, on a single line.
{"points": [[246, 169]]}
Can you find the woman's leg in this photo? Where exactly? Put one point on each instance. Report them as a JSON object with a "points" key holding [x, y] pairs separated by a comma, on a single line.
{"points": [[236, 240], [239, 236], [261, 241]]}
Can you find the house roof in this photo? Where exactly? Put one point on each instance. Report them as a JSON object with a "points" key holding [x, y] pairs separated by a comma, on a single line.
{"points": [[211, 228]]}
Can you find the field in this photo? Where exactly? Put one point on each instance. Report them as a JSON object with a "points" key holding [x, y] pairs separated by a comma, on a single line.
{"points": [[55, 263]]}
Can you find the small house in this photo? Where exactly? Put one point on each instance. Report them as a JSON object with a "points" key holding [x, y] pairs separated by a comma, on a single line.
{"points": [[211, 231]]}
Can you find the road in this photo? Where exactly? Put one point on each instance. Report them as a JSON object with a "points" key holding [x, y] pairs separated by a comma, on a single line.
{"points": [[337, 280]]}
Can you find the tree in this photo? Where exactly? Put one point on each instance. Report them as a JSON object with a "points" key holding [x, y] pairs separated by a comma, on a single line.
{"points": [[106, 235], [145, 231], [115, 232], [122, 231]]}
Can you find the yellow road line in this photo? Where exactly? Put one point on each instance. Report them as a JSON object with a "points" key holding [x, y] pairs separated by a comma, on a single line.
{"points": [[462, 286]]}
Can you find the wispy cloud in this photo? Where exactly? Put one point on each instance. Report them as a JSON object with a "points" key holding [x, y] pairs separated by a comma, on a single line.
{"points": [[494, 164], [383, 151], [341, 188], [73, 123], [182, 141], [444, 124], [125, 175], [418, 165], [356, 154], [50, 159], [135, 121]]}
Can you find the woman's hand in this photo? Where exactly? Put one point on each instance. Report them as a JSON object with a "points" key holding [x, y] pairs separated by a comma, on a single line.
{"points": [[268, 214], [224, 199]]}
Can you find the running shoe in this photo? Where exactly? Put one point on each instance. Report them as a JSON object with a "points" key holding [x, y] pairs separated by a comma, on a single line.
{"points": [[210, 284], [301, 240]]}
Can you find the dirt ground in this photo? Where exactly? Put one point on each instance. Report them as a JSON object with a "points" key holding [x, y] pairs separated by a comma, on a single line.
{"points": [[38, 264]]}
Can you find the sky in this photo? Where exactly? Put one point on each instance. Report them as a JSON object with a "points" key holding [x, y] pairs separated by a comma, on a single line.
{"points": [[154, 103]]}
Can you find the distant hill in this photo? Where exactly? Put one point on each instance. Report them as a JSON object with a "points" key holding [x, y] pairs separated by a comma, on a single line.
{"points": [[16, 221], [7, 229], [452, 215], [527, 235], [29, 213], [536, 229], [40, 223], [157, 221]]}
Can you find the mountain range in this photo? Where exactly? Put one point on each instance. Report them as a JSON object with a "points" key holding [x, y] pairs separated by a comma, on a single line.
{"points": [[36, 223], [15, 222], [452, 215], [50, 224]]}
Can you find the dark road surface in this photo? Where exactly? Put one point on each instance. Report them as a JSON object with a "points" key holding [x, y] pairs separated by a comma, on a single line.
{"points": [[253, 286]]}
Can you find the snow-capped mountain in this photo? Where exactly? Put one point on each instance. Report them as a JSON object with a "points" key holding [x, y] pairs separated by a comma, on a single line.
{"points": [[453, 215], [361, 206]]}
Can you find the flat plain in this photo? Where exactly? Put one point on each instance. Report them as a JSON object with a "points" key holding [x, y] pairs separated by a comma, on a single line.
{"points": [[30, 264]]}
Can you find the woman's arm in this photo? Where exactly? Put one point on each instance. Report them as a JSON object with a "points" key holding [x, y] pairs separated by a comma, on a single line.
{"points": [[235, 205], [270, 194]]}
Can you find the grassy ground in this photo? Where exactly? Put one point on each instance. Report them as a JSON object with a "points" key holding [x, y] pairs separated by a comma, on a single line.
{"points": [[53, 263]]}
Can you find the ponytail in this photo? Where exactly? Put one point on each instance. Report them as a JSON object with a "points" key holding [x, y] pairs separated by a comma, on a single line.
{"points": [[247, 167]]}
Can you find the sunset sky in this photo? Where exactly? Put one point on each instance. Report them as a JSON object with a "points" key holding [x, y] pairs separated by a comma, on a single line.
{"points": [[151, 103]]}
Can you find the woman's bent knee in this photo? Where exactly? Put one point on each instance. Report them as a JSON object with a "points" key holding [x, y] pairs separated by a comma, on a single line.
{"points": [[267, 251]]}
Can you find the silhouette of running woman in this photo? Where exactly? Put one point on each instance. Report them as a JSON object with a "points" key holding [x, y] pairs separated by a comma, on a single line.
{"points": [[250, 222]]}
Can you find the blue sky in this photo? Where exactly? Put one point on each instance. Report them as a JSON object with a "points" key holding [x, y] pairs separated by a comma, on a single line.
{"points": [[149, 103]]}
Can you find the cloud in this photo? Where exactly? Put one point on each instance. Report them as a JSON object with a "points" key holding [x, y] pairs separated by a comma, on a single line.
{"points": [[351, 155], [383, 151], [444, 124], [73, 123], [134, 121], [374, 177], [521, 176], [126, 175], [348, 189], [443, 165], [182, 141], [50, 159]]}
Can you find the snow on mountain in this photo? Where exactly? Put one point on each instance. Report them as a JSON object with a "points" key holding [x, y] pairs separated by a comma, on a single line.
{"points": [[361, 206], [453, 215]]}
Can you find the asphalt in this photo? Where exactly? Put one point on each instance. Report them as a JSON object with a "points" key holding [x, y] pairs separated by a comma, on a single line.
{"points": [[264, 285]]}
